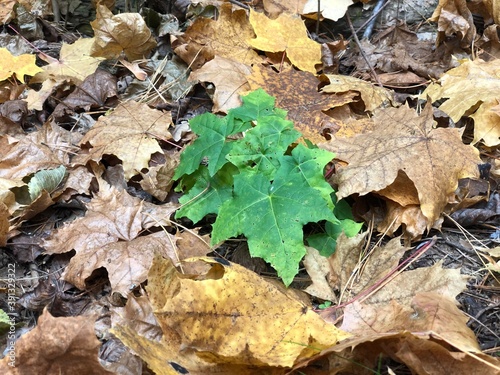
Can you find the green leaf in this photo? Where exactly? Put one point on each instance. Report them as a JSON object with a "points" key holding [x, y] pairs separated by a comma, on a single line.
{"points": [[308, 164], [326, 243], [264, 145], [256, 104], [210, 144], [207, 193], [271, 217]]}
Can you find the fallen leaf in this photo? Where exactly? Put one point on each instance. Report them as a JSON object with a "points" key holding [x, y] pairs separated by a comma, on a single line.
{"points": [[333, 10], [399, 138], [74, 63], [130, 133], [372, 96], [125, 32], [237, 318], [287, 34], [19, 65], [297, 93], [471, 85], [57, 346], [229, 78], [227, 37], [318, 269]]}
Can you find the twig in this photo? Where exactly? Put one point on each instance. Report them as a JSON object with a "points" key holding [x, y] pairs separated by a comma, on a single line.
{"points": [[236, 2], [375, 76], [376, 11]]}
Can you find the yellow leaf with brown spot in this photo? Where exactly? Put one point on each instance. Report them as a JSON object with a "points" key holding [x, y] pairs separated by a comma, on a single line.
{"points": [[233, 316], [297, 93], [288, 34]]}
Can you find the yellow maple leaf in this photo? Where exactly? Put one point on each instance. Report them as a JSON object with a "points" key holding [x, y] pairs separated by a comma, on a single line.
{"points": [[287, 33], [19, 65]]}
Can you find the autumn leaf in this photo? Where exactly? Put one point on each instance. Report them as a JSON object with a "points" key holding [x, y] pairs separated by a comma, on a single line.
{"points": [[74, 63], [286, 34], [237, 318], [19, 65], [227, 38], [472, 84], [229, 78], [399, 139], [297, 93], [333, 10], [125, 32], [130, 133], [57, 346]]}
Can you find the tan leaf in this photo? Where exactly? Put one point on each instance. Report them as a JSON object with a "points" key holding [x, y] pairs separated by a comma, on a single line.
{"points": [[373, 96], [472, 84], [333, 10], [125, 32], [487, 123], [297, 93], [57, 346], [129, 132], [229, 78], [287, 33], [74, 63], [227, 37], [318, 269], [400, 138], [127, 262], [111, 216]]}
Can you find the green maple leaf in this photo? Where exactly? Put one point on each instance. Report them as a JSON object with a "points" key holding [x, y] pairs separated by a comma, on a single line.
{"points": [[309, 164], [263, 145], [211, 143], [257, 104], [271, 216], [206, 193]]}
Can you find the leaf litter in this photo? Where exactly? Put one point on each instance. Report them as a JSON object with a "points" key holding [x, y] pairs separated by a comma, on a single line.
{"points": [[96, 184]]}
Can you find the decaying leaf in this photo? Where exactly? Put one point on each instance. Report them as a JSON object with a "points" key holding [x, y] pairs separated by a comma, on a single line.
{"points": [[125, 32], [237, 318], [57, 346], [130, 133], [399, 139]]}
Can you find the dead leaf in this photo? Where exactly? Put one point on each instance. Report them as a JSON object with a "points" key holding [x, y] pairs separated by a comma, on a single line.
{"points": [[401, 137], [237, 318], [297, 93], [127, 262], [19, 65], [57, 346], [91, 93], [125, 32], [229, 78], [318, 269], [74, 63], [111, 216], [372, 96], [333, 10], [453, 16], [227, 37], [471, 85], [286, 34], [129, 132]]}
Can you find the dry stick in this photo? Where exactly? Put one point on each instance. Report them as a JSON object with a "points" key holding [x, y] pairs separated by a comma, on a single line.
{"points": [[375, 76], [375, 14]]}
